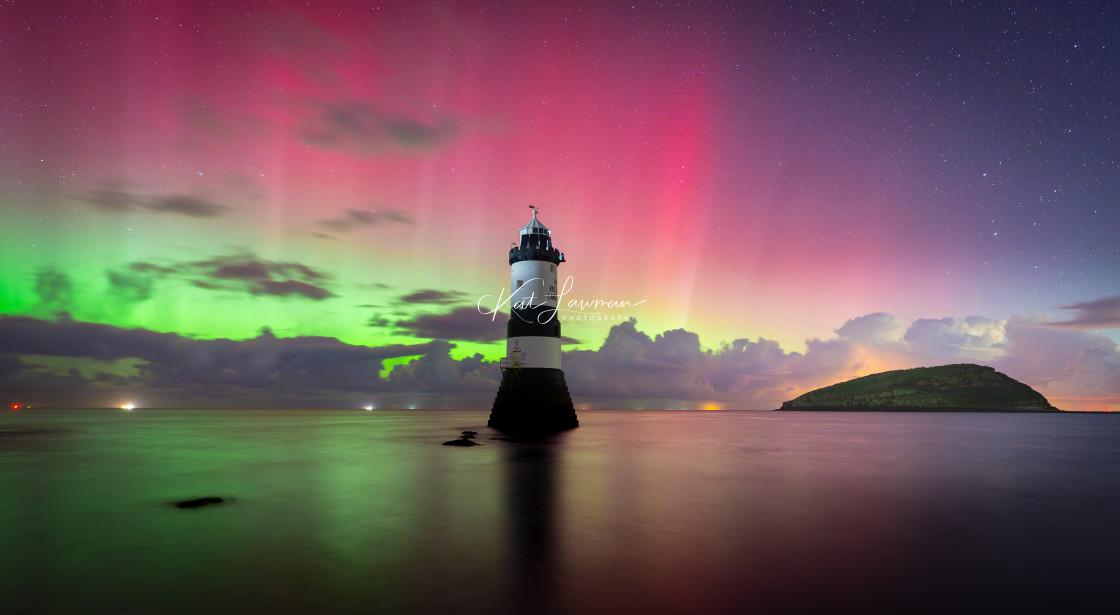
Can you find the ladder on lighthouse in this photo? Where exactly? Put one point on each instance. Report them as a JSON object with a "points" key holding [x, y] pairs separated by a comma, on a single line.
{"points": [[511, 365]]}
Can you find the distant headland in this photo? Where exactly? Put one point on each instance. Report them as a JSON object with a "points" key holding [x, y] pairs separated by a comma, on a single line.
{"points": [[962, 387]]}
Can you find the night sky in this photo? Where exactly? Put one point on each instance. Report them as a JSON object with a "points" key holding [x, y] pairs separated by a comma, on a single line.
{"points": [[301, 204]]}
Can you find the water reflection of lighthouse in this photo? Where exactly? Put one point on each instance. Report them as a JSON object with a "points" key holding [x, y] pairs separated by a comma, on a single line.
{"points": [[533, 396]]}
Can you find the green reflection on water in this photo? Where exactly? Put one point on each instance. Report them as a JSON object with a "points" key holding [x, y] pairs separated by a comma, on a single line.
{"points": [[340, 508]]}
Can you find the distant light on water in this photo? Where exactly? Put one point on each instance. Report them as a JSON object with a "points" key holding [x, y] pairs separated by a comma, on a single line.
{"points": [[127, 407], [367, 408]]}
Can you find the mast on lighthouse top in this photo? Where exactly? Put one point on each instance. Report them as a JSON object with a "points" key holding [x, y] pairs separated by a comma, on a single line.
{"points": [[535, 227]]}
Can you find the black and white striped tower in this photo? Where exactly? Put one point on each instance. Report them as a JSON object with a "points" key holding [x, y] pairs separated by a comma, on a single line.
{"points": [[533, 396]]}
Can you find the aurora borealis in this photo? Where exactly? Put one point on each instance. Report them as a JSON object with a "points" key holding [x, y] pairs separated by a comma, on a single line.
{"points": [[269, 203]]}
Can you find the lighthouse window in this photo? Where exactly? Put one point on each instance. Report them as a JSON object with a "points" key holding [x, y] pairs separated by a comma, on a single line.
{"points": [[519, 284], [552, 268]]}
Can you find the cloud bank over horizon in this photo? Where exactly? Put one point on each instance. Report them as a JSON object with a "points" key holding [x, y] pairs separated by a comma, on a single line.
{"points": [[63, 362]]}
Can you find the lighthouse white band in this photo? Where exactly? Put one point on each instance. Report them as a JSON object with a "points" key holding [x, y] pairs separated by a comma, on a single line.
{"points": [[535, 277], [536, 351]]}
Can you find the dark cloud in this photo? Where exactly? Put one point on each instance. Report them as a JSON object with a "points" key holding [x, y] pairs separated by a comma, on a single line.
{"points": [[1099, 314], [632, 364], [239, 273], [186, 205], [436, 297], [358, 128], [437, 371], [54, 288], [248, 267], [358, 218], [262, 371], [463, 323], [378, 321], [10, 365], [65, 337], [1068, 366], [130, 286], [287, 288], [112, 200], [150, 268], [116, 198]]}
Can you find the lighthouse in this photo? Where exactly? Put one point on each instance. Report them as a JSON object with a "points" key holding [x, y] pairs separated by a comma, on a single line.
{"points": [[533, 396]]}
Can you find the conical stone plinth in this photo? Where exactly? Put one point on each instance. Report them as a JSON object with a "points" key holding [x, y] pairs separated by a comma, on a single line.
{"points": [[533, 401]]}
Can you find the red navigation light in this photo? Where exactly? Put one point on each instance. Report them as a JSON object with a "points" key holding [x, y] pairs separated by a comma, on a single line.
{"points": [[15, 406]]}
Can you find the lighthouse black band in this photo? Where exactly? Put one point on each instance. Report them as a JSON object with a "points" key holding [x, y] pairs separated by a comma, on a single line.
{"points": [[530, 253]]}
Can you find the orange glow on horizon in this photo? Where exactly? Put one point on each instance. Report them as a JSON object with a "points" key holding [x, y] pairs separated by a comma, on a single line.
{"points": [[1087, 404]]}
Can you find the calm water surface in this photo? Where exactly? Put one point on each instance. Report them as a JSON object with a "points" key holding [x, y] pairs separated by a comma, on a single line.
{"points": [[654, 512]]}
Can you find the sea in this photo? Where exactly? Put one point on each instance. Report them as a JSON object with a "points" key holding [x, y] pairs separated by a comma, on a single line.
{"points": [[645, 512]]}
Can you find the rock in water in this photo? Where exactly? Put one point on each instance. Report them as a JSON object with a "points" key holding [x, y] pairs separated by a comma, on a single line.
{"points": [[962, 387], [199, 502], [460, 442]]}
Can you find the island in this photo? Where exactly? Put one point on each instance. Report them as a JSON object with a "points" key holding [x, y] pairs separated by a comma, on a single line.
{"points": [[962, 387]]}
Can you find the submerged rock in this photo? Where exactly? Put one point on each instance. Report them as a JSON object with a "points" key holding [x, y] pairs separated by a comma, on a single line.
{"points": [[195, 503], [962, 387]]}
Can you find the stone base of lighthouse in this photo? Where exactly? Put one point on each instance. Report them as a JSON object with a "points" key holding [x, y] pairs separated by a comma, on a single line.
{"points": [[533, 401]]}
